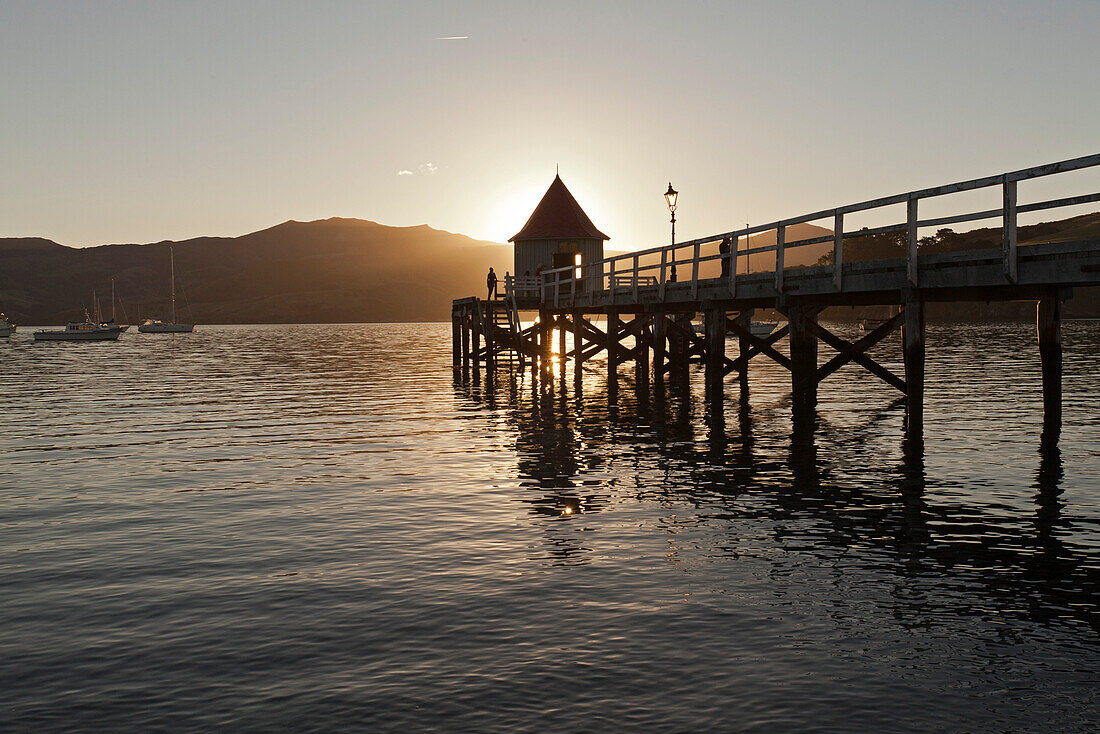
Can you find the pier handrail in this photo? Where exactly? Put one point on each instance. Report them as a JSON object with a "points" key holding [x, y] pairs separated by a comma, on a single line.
{"points": [[608, 274]]}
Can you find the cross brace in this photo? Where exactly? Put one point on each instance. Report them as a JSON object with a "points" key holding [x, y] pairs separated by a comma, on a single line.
{"points": [[856, 351], [757, 346]]}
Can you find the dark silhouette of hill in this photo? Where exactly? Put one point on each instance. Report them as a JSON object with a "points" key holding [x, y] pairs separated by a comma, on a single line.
{"points": [[331, 270], [892, 244], [352, 270]]}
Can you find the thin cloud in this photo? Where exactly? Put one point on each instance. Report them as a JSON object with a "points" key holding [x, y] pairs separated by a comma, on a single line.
{"points": [[424, 169]]}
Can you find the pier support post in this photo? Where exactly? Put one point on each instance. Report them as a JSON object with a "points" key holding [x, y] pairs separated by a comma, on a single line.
{"points": [[641, 361], [561, 343], [912, 332], [803, 344], [660, 340], [1049, 326], [578, 349], [465, 316], [678, 348], [475, 328], [714, 320], [456, 340], [613, 329], [744, 319], [544, 335], [673, 348], [490, 341]]}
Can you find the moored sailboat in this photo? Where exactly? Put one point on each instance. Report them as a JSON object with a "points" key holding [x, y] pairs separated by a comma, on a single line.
{"points": [[156, 326], [7, 326], [114, 300]]}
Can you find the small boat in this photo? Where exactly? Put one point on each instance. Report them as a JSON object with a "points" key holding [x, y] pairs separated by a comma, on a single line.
{"points": [[99, 313], [759, 329], [114, 300], [80, 331], [156, 326], [871, 324], [7, 327]]}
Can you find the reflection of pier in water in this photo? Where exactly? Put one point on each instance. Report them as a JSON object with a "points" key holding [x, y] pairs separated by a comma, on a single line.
{"points": [[570, 454]]}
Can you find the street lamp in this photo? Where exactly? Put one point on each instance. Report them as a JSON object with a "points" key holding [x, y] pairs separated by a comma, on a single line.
{"points": [[670, 197]]}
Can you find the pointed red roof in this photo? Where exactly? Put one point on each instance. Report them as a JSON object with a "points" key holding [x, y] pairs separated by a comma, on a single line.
{"points": [[558, 216]]}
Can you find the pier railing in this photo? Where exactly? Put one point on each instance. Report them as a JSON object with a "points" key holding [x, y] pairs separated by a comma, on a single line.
{"points": [[625, 278]]}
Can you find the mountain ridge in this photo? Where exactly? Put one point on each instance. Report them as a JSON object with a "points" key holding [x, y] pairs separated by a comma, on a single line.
{"points": [[343, 269], [335, 269]]}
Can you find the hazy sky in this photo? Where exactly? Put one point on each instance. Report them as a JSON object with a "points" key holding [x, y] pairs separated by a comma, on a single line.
{"points": [[137, 122]]}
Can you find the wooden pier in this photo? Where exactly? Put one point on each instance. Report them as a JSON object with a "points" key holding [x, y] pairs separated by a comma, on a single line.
{"points": [[649, 315]]}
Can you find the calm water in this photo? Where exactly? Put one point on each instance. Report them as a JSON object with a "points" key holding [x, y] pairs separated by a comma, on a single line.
{"points": [[318, 528]]}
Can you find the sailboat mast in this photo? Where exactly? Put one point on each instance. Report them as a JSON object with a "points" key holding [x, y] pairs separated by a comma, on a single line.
{"points": [[172, 270], [112, 300]]}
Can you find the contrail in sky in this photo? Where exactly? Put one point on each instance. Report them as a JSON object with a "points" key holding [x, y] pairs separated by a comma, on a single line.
{"points": [[451, 38]]}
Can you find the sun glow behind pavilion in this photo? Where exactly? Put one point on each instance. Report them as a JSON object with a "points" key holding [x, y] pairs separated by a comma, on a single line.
{"points": [[557, 234]]}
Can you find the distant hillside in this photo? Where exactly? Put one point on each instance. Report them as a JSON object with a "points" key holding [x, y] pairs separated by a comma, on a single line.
{"points": [[892, 244], [1085, 301], [325, 271], [351, 270]]}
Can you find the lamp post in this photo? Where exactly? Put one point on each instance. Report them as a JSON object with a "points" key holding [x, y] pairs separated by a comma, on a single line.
{"points": [[670, 198]]}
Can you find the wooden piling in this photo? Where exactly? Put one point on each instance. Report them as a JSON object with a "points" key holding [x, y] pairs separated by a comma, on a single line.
{"points": [[913, 354], [578, 348], [676, 345], [464, 315], [744, 318], [803, 345], [475, 328], [613, 328], [488, 322], [1048, 317], [561, 343], [714, 362], [542, 338], [659, 344], [456, 340], [641, 350]]}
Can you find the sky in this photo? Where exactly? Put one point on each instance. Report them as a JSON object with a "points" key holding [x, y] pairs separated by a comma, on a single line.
{"points": [[143, 121]]}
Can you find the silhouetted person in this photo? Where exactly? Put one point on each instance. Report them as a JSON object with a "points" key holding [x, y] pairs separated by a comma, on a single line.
{"points": [[724, 251], [491, 283]]}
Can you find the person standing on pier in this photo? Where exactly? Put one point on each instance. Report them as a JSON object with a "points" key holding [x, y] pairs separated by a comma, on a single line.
{"points": [[724, 251], [491, 283]]}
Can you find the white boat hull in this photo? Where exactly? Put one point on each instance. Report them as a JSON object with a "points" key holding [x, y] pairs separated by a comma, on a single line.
{"points": [[162, 328], [759, 329], [89, 335]]}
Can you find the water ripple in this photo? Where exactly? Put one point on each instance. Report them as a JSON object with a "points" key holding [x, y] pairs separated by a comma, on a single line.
{"points": [[322, 527]]}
